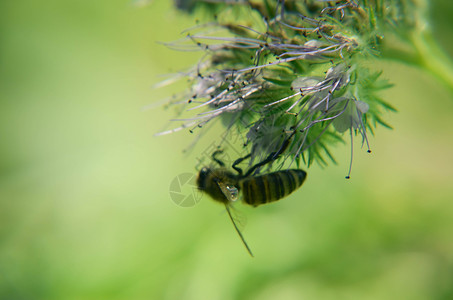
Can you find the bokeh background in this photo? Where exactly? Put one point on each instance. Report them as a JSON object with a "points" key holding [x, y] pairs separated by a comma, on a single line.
{"points": [[85, 211]]}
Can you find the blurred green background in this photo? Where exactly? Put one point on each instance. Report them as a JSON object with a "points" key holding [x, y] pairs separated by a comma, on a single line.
{"points": [[85, 211]]}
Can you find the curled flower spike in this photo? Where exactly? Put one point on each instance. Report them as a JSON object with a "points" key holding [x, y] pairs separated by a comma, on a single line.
{"points": [[286, 72]]}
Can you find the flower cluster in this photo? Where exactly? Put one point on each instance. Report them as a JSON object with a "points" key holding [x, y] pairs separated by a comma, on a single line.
{"points": [[288, 73]]}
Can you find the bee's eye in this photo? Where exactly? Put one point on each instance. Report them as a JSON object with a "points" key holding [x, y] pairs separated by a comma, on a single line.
{"points": [[201, 181], [204, 172]]}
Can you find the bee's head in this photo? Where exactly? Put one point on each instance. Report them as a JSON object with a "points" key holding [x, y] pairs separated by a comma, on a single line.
{"points": [[202, 177]]}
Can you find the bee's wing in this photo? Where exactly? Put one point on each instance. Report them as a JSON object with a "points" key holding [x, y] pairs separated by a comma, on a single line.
{"points": [[231, 193], [232, 214], [239, 217]]}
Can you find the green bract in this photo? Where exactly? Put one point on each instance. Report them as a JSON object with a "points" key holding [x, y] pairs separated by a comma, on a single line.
{"points": [[277, 71]]}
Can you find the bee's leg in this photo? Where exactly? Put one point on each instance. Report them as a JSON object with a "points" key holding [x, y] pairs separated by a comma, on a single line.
{"points": [[214, 157], [260, 164], [273, 156], [238, 161]]}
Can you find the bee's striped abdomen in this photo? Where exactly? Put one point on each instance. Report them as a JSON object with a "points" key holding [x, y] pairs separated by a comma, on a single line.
{"points": [[271, 187]]}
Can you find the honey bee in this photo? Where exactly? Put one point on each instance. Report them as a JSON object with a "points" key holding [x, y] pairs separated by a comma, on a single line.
{"points": [[224, 186]]}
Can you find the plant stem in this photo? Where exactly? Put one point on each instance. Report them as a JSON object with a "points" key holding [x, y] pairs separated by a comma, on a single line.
{"points": [[433, 58], [427, 55]]}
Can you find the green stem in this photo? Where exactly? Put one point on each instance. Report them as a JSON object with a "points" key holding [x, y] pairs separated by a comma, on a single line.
{"points": [[433, 58], [427, 55]]}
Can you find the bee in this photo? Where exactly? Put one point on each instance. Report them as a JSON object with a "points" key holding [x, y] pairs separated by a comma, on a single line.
{"points": [[224, 186]]}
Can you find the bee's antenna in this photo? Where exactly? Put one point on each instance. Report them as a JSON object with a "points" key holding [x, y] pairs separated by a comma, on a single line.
{"points": [[237, 229]]}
